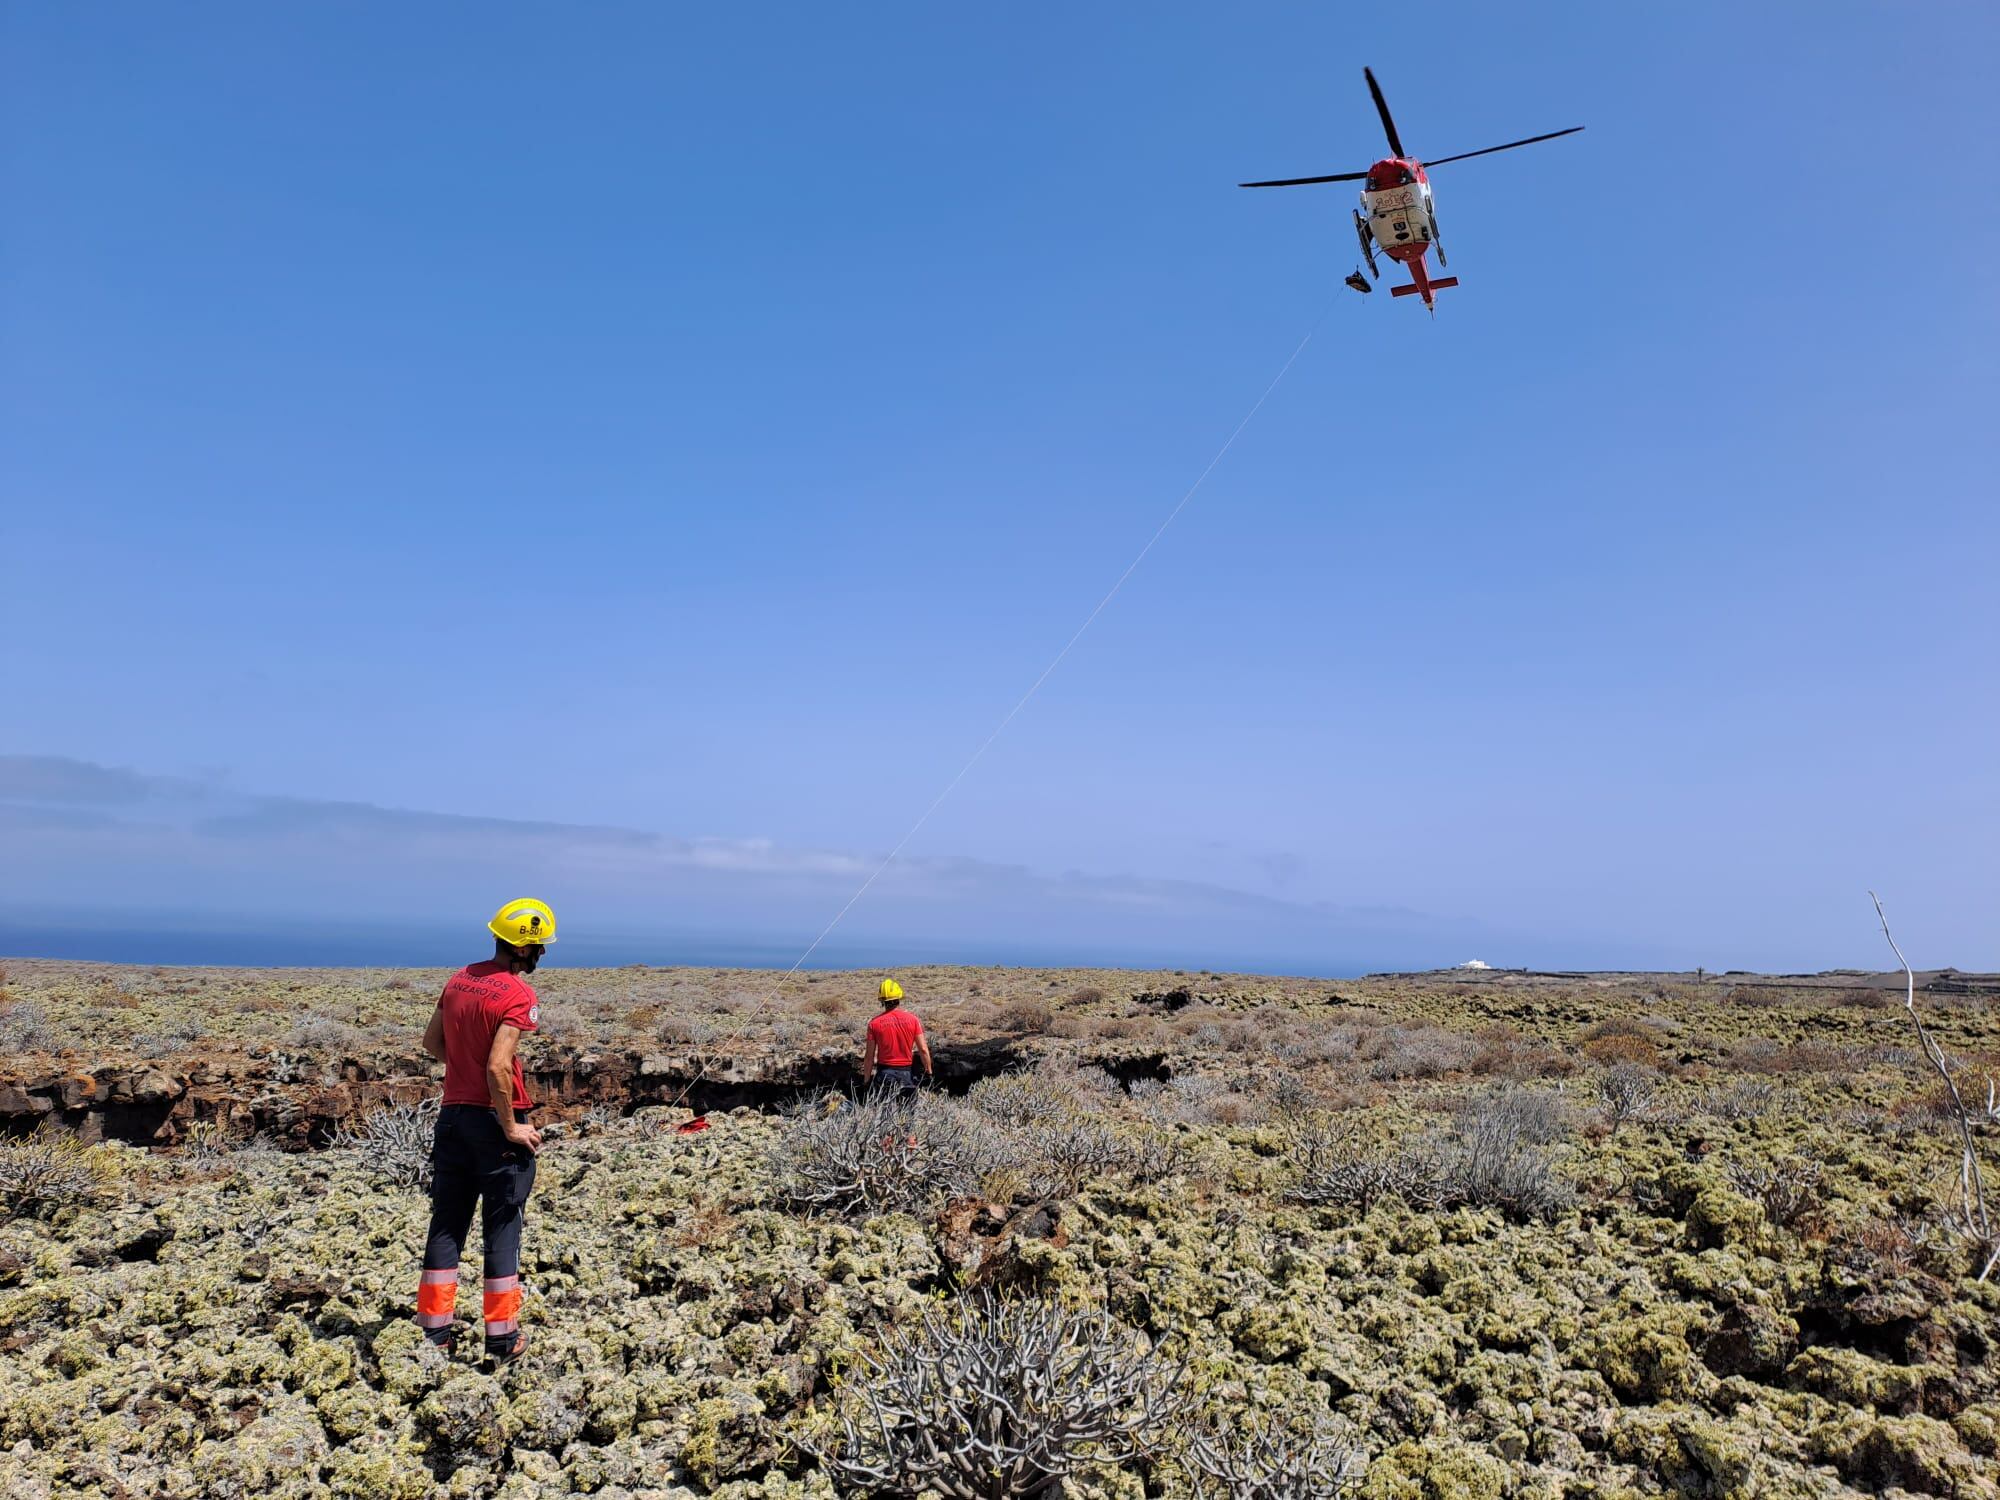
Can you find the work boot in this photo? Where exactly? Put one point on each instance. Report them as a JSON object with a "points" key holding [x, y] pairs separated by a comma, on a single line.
{"points": [[507, 1348]]}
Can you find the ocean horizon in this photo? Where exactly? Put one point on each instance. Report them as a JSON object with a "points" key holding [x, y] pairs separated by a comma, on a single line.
{"points": [[281, 947]]}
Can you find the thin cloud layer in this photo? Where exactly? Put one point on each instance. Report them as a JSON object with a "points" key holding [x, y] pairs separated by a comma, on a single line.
{"points": [[88, 840]]}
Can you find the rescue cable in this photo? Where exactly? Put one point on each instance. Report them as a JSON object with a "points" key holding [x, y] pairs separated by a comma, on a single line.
{"points": [[1033, 688]]}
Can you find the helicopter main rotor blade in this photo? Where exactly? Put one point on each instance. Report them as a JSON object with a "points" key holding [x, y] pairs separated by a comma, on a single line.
{"points": [[1382, 109], [1508, 147], [1302, 181]]}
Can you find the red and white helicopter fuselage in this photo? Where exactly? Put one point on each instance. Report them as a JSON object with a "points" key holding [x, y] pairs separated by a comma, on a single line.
{"points": [[1397, 215]]}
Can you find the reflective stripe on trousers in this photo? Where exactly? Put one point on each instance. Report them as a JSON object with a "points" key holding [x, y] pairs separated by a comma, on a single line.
{"points": [[474, 1166]]}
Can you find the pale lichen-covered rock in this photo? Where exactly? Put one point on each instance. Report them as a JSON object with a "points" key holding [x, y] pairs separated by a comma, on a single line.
{"points": [[1713, 1211], [1978, 1426], [1751, 1340], [1913, 1453], [1435, 1471], [1646, 1355], [276, 1457], [1853, 1379], [682, 1327], [463, 1416], [1689, 1451]]}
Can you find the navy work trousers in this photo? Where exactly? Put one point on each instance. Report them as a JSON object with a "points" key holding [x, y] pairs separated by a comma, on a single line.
{"points": [[474, 1166]]}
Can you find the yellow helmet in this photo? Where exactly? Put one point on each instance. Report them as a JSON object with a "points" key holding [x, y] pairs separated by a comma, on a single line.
{"points": [[525, 923], [890, 990]]}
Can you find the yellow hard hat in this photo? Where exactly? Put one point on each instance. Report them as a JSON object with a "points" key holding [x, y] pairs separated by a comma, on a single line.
{"points": [[890, 990], [524, 923]]}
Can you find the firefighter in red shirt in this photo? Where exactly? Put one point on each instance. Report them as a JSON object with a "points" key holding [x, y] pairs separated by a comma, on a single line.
{"points": [[484, 1153], [895, 1042]]}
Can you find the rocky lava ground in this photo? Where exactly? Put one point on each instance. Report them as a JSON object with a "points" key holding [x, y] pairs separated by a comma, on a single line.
{"points": [[1734, 1274]]}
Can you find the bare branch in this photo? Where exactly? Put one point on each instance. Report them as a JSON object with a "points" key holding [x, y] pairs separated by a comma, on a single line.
{"points": [[1272, 1459], [1975, 1224], [395, 1140], [988, 1399]]}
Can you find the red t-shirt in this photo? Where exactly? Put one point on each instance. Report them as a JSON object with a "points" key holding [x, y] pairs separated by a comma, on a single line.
{"points": [[477, 1001], [895, 1032]]}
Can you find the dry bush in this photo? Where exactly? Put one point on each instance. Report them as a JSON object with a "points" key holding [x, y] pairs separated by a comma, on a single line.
{"points": [[1612, 1026], [1416, 1052], [1073, 1148], [688, 1031], [398, 986], [1535, 1117], [1496, 1155], [1204, 1099], [600, 1118], [1787, 1189], [1238, 1109], [1628, 1091], [880, 1155], [1096, 1084], [1759, 1054], [1027, 1017], [1109, 1028], [1491, 1159], [1271, 1458], [1743, 1099], [317, 1033], [1190, 1019], [1754, 997], [1882, 1248], [1504, 1052], [1188, 1096], [1026, 1097], [1089, 994], [1334, 1170], [44, 1173], [1317, 1044], [825, 1004], [205, 1142], [183, 1035], [1294, 1094], [1859, 999], [987, 1399], [395, 1142], [1623, 1050], [1927, 1109], [25, 1027], [1158, 1155]]}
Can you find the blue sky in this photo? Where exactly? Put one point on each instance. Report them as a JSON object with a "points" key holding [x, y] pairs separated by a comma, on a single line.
{"points": [[704, 424]]}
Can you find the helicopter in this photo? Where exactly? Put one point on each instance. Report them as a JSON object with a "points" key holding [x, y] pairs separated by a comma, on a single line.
{"points": [[1399, 218]]}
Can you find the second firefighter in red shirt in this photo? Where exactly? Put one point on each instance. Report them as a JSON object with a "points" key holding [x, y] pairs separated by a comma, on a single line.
{"points": [[896, 1045]]}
